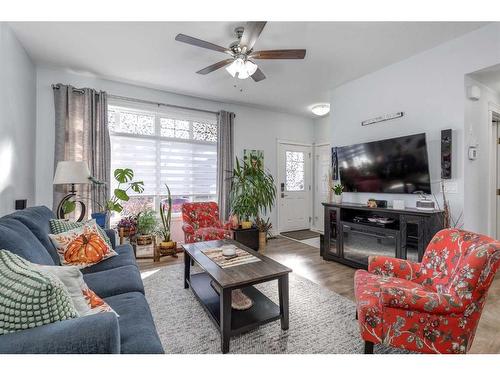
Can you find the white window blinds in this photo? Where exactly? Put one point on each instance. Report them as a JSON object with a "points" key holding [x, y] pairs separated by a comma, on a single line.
{"points": [[164, 145]]}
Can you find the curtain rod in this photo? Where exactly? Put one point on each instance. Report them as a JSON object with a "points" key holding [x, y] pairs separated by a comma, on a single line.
{"points": [[57, 86], [163, 104]]}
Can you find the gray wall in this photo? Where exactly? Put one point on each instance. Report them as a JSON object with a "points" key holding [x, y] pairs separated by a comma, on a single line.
{"points": [[17, 122]]}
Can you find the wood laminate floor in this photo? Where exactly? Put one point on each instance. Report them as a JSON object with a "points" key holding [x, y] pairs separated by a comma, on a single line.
{"points": [[306, 262]]}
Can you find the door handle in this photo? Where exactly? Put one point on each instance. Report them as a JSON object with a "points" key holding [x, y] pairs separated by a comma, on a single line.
{"points": [[283, 195]]}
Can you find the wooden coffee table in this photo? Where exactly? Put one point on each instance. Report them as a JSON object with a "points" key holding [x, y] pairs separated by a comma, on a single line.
{"points": [[234, 322]]}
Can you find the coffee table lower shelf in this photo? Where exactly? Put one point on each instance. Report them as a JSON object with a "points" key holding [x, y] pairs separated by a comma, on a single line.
{"points": [[263, 310]]}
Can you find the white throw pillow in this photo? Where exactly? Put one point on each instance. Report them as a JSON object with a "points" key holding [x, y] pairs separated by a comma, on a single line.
{"points": [[85, 300], [82, 247]]}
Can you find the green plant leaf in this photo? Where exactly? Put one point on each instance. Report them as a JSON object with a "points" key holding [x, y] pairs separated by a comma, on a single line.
{"points": [[121, 194], [124, 175], [117, 207], [68, 207], [137, 186]]}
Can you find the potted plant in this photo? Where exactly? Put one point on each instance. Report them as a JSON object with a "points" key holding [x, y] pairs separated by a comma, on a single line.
{"points": [[166, 217], [337, 193], [252, 193], [263, 226], [127, 226], [124, 177], [146, 227]]}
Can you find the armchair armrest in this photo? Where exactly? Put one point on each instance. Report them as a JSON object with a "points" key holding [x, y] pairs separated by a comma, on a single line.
{"points": [[187, 228], [98, 333], [112, 236], [394, 267], [420, 299]]}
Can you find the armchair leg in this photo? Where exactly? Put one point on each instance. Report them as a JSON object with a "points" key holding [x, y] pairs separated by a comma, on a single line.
{"points": [[356, 317], [368, 347]]}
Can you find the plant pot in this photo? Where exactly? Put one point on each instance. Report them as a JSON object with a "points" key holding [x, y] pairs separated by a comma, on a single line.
{"points": [[262, 241], [246, 224], [126, 232], [100, 218], [337, 198], [144, 239], [168, 245]]}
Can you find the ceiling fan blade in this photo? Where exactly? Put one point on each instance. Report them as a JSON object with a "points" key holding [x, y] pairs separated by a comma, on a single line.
{"points": [[250, 35], [213, 67], [201, 43], [279, 54], [258, 75]]}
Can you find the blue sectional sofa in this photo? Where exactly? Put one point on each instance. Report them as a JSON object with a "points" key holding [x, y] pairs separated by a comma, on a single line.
{"points": [[116, 279]]}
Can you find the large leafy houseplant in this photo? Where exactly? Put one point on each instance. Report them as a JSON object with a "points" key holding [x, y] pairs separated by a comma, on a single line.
{"points": [[124, 177], [252, 190]]}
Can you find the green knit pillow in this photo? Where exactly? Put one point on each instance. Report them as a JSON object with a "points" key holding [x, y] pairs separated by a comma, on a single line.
{"points": [[30, 297], [58, 226]]}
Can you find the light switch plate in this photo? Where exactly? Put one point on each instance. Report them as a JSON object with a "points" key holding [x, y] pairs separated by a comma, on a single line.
{"points": [[450, 187]]}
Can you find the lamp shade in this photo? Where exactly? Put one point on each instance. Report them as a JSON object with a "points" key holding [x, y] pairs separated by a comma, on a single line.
{"points": [[71, 172]]}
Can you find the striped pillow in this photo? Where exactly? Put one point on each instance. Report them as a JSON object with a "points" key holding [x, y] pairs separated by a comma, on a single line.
{"points": [[58, 226], [30, 297]]}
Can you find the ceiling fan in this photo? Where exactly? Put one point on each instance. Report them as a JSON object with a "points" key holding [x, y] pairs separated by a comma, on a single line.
{"points": [[240, 63]]}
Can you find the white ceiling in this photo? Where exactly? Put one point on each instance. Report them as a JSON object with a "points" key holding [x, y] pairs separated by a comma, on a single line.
{"points": [[146, 53]]}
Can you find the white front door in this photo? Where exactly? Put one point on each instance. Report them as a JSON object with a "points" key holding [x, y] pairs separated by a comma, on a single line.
{"points": [[322, 159], [294, 186]]}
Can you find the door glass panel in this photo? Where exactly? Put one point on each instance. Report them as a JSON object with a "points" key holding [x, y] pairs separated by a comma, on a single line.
{"points": [[294, 171]]}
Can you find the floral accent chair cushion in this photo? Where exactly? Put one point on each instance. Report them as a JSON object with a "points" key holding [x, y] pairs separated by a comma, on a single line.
{"points": [[201, 222], [433, 306]]}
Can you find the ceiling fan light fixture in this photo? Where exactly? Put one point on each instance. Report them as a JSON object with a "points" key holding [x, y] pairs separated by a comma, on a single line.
{"points": [[321, 109], [235, 67], [251, 67]]}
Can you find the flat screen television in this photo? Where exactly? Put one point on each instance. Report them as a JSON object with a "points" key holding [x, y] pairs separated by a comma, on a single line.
{"points": [[395, 166]]}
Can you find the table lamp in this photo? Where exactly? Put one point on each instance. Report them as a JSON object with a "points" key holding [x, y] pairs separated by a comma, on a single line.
{"points": [[71, 172]]}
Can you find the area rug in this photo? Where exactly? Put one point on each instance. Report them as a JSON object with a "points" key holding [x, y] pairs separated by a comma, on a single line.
{"points": [[304, 234], [320, 321]]}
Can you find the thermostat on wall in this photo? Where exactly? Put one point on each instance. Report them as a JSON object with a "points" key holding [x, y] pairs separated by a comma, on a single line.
{"points": [[472, 152]]}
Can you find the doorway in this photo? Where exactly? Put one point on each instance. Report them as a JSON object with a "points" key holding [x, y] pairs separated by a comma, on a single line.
{"points": [[322, 157], [494, 117], [294, 186]]}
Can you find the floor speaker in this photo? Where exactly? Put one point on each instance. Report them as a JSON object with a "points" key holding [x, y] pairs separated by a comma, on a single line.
{"points": [[446, 143]]}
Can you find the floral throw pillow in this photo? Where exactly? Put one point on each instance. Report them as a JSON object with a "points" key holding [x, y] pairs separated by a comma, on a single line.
{"points": [[82, 247], [85, 300]]}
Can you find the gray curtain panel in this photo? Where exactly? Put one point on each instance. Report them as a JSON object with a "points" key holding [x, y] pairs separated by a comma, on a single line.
{"points": [[225, 158], [81, 133]]}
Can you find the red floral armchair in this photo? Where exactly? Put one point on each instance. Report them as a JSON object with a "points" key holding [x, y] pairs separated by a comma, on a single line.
{"points": [[433, 306], [201, 222]]}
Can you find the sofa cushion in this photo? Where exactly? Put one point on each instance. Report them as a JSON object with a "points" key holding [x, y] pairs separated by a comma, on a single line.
{"points": [[137, 329], [61, 225], [20, 240], [85, 300], [115, 281], [125, 257], [37, 221], [83, 246], [30, 297]]}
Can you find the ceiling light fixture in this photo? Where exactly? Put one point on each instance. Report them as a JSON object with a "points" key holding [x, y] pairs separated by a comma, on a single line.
{"points": [[243, 69], [320, 109]]}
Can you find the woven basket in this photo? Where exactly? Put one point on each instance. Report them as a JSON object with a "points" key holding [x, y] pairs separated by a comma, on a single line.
{"points": [[144, 240]]}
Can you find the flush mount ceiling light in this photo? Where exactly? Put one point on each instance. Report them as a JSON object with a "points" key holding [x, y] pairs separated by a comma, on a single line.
{"points": [[320, 109]]}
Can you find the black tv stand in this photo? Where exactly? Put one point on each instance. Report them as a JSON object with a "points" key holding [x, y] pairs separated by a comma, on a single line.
{"points": [[354, 231]]}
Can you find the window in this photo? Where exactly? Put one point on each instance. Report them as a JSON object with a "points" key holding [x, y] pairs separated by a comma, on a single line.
{"points": [[164, 146], [295, 178]]}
